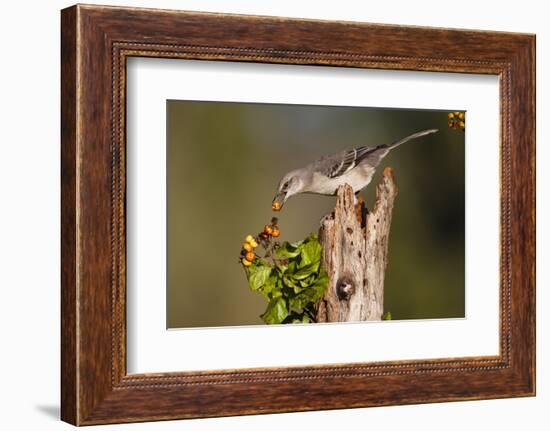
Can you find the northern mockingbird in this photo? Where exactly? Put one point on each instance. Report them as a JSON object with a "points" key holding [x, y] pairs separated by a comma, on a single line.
{"points": [[355, 167]]}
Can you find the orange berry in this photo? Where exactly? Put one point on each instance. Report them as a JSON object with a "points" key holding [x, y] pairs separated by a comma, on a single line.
{"points": [[276, 206], [276, 232], [250, 256], [247, 246], [268, 229]]}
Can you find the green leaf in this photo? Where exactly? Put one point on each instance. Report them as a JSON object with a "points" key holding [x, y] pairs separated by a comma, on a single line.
{"points": [[295, 317], [287, 250], [299, 301], [290, 282], [276, 293], [320, 285], [305, 298], [291, 268], [281, 269], [306, 319], [297, 243], [310, 252], [276, 311], [312, 293], [306, 271], [258, 275], [308, 281], [268, 288], [386, 316]]}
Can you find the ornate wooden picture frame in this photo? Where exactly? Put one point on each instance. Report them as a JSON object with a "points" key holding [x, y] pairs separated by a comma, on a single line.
{"points": [[96, 41]]}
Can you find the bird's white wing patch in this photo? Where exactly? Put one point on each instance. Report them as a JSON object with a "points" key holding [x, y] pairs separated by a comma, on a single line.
{"points": [[347, 161]]}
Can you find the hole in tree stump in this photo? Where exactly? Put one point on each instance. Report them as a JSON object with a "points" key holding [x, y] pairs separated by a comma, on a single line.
{"points": [[345, 288]]}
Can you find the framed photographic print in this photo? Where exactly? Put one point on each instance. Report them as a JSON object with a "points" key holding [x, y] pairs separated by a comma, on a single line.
{"points": [[269, 215]]}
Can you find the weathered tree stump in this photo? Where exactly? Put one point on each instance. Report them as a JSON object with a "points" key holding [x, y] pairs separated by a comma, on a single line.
{"points": [[355, 255]]}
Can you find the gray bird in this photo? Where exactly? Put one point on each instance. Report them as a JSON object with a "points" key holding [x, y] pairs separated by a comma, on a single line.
{"points": [[355, 167]]}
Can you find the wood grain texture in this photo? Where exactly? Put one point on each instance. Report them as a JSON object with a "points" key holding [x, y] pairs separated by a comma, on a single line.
{"points": [[96, 41], [355, 255], [69, 365]]}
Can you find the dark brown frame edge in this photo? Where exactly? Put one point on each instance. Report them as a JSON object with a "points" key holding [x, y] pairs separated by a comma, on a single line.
{"points": [[95, 43]]}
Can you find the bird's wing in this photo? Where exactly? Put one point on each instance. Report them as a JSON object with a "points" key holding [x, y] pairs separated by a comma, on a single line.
{"points": [[338, 164]]}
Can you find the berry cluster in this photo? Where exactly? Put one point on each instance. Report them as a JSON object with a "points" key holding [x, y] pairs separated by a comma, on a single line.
{"points": [[270, 231], [247, 252], [457, 120]]}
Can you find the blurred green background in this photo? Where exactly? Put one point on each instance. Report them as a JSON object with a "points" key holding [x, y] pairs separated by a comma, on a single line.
{"points": [[224, 162]]}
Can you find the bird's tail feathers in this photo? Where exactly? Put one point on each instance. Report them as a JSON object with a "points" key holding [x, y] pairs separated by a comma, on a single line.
{"points": [[413, 136]]}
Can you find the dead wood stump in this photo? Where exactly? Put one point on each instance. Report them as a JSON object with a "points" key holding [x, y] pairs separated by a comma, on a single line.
{"points": [[355, 255]]}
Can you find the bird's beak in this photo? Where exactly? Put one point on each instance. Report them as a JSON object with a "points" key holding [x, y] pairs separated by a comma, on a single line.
{"points": [[278, 201]]}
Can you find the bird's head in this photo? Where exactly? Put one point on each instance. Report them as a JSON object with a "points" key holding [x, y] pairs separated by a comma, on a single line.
{"points": [[289, 185]]}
